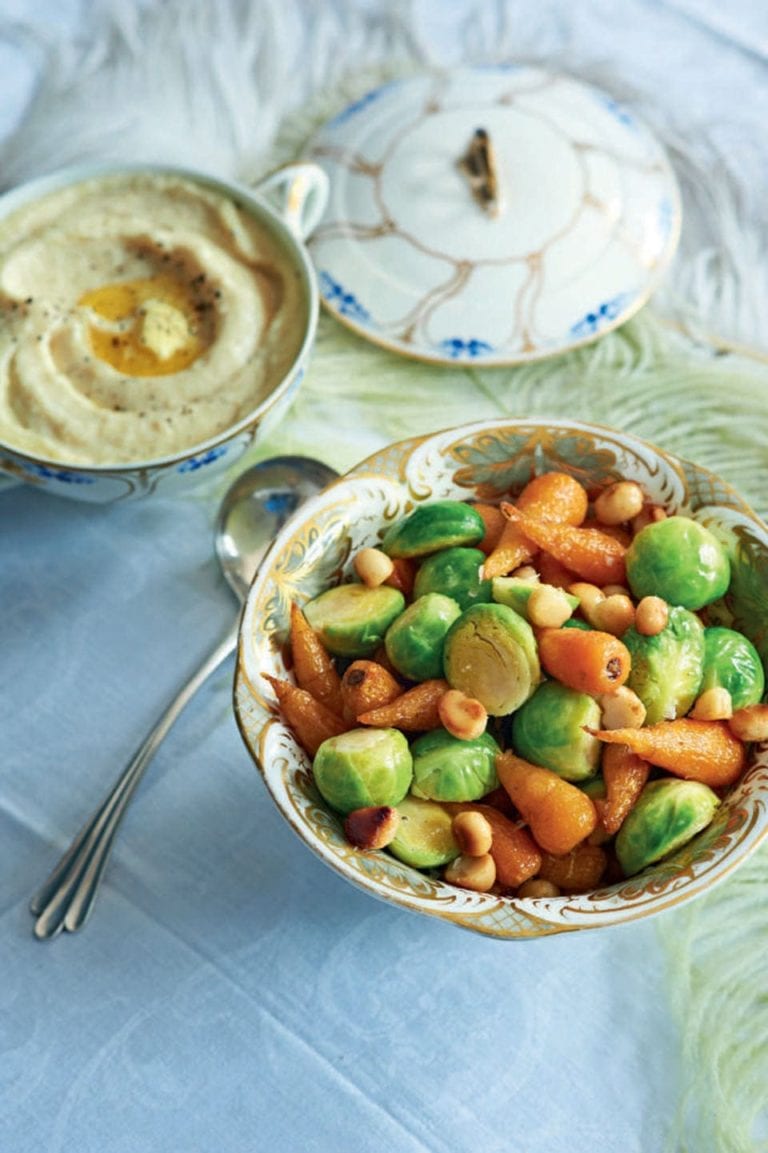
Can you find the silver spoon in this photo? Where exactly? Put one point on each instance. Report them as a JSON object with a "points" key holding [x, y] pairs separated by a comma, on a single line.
{"points": [[252, 511]]}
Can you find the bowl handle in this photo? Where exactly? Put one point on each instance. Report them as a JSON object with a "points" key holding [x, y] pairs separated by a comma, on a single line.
{"points": [[300, 193]]}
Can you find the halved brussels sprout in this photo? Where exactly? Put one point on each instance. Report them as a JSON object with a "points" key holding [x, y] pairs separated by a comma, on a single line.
{"points": [[414, 641], [732, 662], [363, 767], [667, 814], [667, 668], [490, 654], [430, 527], [549, 730], [424, 835], [455, 572], [448, 769], [352, 619], [680, 560]]}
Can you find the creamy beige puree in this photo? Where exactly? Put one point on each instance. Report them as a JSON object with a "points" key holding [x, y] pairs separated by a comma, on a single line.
{"points": [[139, 315]]}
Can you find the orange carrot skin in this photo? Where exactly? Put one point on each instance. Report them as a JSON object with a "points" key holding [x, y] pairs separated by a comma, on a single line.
{"points": [[413, 711], [552, 572], [515, 854], [558, 813], [624, 774], [367, 685], [581, 869], [705, 751], [494, 521], [588, 661], [310, 721], [594, 555], [512, 550], [313, 666], [554, 496]]}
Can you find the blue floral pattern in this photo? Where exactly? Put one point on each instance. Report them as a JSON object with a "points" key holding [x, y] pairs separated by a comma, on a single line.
{"points": [[456, 348], [619, 111], [666, 218], [196, 462], [358, 105], [597, 319], [344, 302], [62, 474]]}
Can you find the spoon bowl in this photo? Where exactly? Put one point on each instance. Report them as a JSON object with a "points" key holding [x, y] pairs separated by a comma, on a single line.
{"points": [[254, 508]]}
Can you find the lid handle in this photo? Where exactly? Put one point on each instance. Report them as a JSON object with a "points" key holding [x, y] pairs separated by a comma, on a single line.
{"points": [[479, 166]]}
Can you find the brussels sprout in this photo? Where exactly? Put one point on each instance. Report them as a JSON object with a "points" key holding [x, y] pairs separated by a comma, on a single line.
{"points": [[352, 619], [455, 572], [448, 769], [732, 662], [363, 767], [516, 592], [549, 730], [490, 654], [424, 835], [441, 524], [667, 814], [667, 667], [414, 642], [680, 560]]}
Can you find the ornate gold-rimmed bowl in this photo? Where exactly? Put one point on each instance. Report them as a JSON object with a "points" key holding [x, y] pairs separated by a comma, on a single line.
{"points": [[486, 460]]}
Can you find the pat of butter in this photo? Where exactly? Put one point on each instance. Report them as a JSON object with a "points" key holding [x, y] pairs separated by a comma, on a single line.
{"points": [[164, 329]]}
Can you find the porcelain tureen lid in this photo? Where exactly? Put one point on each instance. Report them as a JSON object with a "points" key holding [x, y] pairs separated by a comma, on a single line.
{"points": [[497, 215]]}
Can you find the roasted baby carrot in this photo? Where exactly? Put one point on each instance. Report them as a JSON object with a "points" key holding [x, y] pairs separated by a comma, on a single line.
{"points": [[552, 572], [750, 723], [558, 813], [592, 554], [624, 774], [705, 751], [313, 665], [552, 496], [577, 871], [494, 521], [367, 685], [515, 853], [589, 661], [512, 549], [310, 721], [413, 711]]}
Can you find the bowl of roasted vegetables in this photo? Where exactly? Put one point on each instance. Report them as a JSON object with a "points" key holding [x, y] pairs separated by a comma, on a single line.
{"points": [[512, 675]]}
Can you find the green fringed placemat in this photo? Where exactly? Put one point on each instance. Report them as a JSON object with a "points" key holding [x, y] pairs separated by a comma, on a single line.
{"points": [[645, 378], [711, 407]]}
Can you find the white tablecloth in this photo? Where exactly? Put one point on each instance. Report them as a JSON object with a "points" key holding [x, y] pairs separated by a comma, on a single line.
{"points": [[231, 993]]}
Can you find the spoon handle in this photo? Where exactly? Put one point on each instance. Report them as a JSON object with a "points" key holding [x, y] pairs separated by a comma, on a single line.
{"points": [[65, 900]]}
